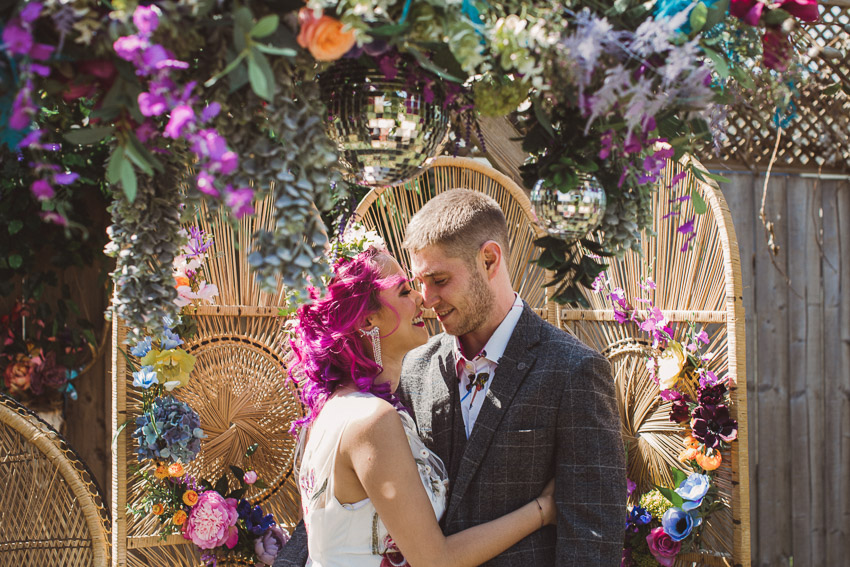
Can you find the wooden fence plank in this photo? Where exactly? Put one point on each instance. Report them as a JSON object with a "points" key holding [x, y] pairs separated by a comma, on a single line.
{"points": [[841, 532], [774, 484], [739, 195], [800, 473], [812, 372]]}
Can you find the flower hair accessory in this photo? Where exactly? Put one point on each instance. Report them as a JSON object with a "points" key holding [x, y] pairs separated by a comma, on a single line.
{"points": [[354, 240]]}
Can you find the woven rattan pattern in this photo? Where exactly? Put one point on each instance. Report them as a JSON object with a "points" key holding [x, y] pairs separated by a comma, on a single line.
{"points": [[818, 134], [704, 286], [239, 389], [51, 508]]}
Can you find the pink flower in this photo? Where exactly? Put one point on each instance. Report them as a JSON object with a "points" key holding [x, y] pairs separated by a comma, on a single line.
{"points": [[777, 49], [806, 10], [206, 184], [250, 477], [181, 117], [662, 547], [212, 522], [31, 12], [128, 47], [18, 374], [151, 104], [146, 19], [239, 201], [46, 373], [748, 11], [41, 51]]}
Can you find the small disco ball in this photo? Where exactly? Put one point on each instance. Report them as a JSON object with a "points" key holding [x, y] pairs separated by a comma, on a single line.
{"points": [[570, 215], [385, 130]]}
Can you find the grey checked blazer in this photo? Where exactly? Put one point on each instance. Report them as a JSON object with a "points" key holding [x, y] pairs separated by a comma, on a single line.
{"points": [[550, 410]]}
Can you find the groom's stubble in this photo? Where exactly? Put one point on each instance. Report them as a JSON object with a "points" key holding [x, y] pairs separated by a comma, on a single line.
{"points": [[480, 301]]}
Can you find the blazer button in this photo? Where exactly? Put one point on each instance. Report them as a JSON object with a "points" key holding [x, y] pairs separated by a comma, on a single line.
{"points": [[521, 366]]}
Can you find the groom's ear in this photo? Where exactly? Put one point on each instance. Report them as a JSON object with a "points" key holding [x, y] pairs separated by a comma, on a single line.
{"points": [[491, 253]]}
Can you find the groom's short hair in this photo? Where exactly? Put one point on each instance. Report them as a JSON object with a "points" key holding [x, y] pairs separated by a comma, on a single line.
{"points": [[460, 221]]}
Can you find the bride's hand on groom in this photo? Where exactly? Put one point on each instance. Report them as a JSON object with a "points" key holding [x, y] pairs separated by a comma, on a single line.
{"points": [[547, 503]]}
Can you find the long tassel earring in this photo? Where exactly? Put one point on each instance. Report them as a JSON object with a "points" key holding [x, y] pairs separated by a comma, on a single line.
{"points": [[375, 336]]}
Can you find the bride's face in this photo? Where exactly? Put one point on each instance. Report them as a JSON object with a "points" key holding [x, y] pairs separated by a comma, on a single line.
{"points": [[400, 317]]}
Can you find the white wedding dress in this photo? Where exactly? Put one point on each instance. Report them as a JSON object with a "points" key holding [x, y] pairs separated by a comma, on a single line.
{"points": [[353, 535]]}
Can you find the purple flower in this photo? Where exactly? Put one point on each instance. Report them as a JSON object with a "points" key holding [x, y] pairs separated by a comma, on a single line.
{"points": [[146, 19], [707, 378], [713, 424], [680, 411], [31, 139], [38, 69], [712, 395], [41, 51], [31, 12], [42, 190], [268, 546], [158, 58], [205, 183], [211, 144], [65, 178], [18, 40], [631, 486], [228, 162], [152, 104], [210, 112], [128, 47], [181, 117], [239, 201]]}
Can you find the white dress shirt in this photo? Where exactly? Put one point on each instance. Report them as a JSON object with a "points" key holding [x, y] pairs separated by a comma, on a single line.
{"points": [[483, 366]]}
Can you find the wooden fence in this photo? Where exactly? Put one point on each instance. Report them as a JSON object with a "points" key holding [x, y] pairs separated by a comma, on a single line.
{"points": [[798, 365]]}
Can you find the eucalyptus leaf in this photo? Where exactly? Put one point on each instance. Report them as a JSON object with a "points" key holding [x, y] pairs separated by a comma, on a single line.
{"points": [[831, 89], [700, 207], [87, 136], [15, 226], [15, 261], [775, 17], [230, 67], [138, 159], [716, 13], [266, 26]]}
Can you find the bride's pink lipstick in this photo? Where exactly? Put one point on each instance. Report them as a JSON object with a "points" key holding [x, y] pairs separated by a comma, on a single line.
{"points": [[418, 323]]}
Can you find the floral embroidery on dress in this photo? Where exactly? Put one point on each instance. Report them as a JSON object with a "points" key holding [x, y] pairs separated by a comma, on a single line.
{"points": [[392, 557]]}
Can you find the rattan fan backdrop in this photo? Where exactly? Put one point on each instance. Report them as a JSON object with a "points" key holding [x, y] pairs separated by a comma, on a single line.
{"points": [[239, 389], [704, 286], [51, 510], [388, 210]]}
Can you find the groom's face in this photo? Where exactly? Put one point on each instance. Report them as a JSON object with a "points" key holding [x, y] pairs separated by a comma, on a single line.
{"points": [[457, 291]]}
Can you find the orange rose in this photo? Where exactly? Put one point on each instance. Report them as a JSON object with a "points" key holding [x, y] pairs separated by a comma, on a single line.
{"points": [[688, 454], [161, 472], [18, 374], [181, 280], [709, 463], [691, 442], [157, 509], [323, 37], [179, 518], [190, 498], [176, 469]]}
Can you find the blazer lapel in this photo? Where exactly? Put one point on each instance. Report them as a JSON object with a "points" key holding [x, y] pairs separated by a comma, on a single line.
{"points": [[511, 372], [443, 385]]}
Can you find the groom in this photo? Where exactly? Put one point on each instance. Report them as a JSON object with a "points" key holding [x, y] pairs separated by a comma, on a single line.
{"points": [[507, 400]]}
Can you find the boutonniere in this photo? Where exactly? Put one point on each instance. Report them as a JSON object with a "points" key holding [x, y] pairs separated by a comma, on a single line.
{"points": [[476, 384]]}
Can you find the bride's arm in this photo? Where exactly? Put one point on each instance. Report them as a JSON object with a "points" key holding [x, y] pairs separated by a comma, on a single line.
{"points": [[376, 448]]}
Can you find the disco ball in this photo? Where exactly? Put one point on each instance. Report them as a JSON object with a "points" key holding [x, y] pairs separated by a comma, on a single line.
{"points": [[385, 130], [569, 215]]}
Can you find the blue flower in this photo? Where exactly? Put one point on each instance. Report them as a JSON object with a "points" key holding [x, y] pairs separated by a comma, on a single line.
{"points": [[145, 378], [142, 348], [171, 430], [693, 489], [667, 9], [170, 340], [677, 523], [640, 516]]}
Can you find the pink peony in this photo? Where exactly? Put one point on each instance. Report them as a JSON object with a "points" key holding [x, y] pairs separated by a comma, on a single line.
{"points": [[212, 522], [46, 373], [748, 11], [18, 374], [662, 547]]}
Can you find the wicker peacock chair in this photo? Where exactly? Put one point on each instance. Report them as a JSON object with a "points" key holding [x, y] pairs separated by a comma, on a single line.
{"points": [[702, 286], [51, 509], [238, 387]]}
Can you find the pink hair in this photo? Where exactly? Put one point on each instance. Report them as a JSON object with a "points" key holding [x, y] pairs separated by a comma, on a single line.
{"points": [[328, 347]]}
